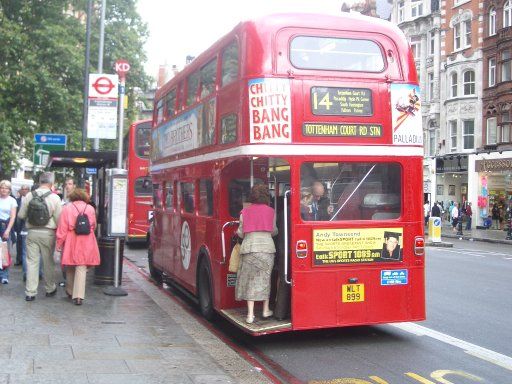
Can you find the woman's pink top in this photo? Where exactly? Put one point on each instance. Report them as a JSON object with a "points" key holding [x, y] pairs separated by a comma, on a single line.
{"points": [[258, 218]]}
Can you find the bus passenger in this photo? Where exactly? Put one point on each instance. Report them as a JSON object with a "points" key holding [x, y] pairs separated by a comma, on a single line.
{"points": [[256, 228], [321, 206], [306, 200]]}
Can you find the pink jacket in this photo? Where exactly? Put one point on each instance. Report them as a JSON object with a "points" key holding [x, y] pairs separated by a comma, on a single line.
{"points": [[77, 249]]}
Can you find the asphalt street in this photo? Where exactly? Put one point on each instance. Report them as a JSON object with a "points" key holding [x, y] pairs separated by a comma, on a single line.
{"points": [[465, 339]]}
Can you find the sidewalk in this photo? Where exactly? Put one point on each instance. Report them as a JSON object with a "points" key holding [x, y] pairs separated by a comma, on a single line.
{"points": [[145, 337], [486, 235]]}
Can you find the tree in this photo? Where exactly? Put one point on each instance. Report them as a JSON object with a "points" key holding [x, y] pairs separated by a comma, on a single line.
{"points": [[42, 62]]}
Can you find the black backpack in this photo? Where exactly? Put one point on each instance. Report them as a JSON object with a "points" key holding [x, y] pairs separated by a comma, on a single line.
{"points": [[38, 213], [82, 225]]}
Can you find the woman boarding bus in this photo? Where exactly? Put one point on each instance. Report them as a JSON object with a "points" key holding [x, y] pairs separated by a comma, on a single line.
{"points": [[323, 110]]}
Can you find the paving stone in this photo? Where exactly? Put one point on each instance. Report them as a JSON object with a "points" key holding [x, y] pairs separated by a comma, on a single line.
{"points": [[80, 366], [89, 340], [24, 338], [55, 378], [140, 379], [4, 379], [212, 379], [23, 352], [177, 339], [16, 366], [115, 353], [197, 366], [5, 351]]}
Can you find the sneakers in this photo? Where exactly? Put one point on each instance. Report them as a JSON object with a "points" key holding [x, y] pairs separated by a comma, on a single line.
{"points": [[52, 293], [5, 281]]}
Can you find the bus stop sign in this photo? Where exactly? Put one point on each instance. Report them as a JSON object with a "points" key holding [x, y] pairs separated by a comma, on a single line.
{"points": [[122, 67]]}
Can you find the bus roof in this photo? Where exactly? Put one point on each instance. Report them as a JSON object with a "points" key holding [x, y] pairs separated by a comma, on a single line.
{"points": [[271, 24]]}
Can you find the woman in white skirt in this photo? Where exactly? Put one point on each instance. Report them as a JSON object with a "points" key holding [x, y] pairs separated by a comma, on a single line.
{"points": [[257, 226]]}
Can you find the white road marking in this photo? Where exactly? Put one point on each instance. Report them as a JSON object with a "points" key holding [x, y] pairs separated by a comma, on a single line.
{"points": [[465, 253], [488, 355]]}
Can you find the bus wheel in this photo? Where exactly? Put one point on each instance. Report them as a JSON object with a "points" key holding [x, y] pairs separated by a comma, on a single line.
{"points": [[155, 273], [204, 290]]}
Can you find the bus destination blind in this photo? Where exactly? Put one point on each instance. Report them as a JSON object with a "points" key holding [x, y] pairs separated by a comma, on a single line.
{"points": [[341, 101]]}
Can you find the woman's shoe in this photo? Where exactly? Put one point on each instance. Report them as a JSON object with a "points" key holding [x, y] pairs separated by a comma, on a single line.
{"points": [[249, 319], [69, 295], [267, 314], [77, 301]]}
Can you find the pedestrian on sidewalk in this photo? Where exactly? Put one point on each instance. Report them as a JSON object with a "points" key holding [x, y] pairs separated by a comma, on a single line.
{"points": [[436, 211], [455, 216], [469, 215], [257, 226], [41, 236], [495, 216], [8, 206], [426, 211], [78, 251], [21, 230]]}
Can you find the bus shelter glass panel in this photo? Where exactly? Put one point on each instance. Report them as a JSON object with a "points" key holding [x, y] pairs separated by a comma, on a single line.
{"points": [[350, 191]]}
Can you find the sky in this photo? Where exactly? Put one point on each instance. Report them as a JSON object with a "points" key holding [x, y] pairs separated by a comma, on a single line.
{"points": [[187, 27]]}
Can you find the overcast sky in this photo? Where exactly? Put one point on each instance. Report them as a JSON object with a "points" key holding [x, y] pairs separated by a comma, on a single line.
{"points": [[187, 27]]}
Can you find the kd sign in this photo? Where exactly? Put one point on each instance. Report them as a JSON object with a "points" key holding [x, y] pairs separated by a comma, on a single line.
{"points": [[122, 67]]}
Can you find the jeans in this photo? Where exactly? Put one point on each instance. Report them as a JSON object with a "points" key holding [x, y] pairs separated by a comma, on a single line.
{"points": [[4, 274], [468, 223]]}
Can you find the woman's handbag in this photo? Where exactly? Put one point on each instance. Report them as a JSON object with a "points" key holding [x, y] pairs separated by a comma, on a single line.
{"points": [[234, 260], [5, 256]]}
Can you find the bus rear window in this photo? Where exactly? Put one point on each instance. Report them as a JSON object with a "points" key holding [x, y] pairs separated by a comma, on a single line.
{"points": [[350, 191], [143, 186], [336, 54]]}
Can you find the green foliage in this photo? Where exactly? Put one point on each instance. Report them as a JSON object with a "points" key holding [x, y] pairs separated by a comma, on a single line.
{"points": [[42, 62]]}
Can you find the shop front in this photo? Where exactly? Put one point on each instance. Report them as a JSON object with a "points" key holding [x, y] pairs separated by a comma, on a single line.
{"points": [[494, 187], [452, 179]]}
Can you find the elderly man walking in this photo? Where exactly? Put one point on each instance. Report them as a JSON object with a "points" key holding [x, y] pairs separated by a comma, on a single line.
{"points": [[41, 235]]}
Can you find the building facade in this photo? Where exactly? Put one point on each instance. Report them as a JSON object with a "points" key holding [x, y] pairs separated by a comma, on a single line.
{"points": [[494, 162], [447, 40]]}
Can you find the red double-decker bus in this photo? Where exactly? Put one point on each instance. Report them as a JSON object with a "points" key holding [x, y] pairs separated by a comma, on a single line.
{"points": [[136, 158], [319, 108]]}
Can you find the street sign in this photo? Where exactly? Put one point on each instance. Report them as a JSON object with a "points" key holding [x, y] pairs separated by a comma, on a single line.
{"points": [[102, 111], [91, 171], [46, 142], [122, 67]]}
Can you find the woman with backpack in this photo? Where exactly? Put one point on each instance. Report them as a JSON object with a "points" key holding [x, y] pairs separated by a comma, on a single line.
{"points": [[77, 243], [8, 206]]}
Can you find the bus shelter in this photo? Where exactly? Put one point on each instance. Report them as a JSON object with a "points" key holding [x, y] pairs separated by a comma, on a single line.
{"points": [[101, 161]]}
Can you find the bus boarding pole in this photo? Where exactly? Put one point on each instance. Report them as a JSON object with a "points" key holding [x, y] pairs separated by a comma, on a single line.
{"points": [[122, 67]]}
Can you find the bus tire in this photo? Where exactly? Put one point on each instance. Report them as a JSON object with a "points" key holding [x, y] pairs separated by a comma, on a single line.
{"points": [[204, 290], [155, 273]]}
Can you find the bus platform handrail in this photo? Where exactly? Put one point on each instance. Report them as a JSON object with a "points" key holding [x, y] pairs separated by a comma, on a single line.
{"points": [[223, 238], [285, 212]]}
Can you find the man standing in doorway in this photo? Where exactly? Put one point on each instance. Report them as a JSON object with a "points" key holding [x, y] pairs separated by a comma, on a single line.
{"points": [[41, 237]]}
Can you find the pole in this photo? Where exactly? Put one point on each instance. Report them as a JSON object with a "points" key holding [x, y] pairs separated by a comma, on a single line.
{"points": [[116, 290], [86, 73], [96, 144]]}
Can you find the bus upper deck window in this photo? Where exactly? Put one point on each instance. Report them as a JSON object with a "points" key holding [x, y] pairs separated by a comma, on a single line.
{"points": [[230, 64], [336, 54], [192, 84], [208, 78]]}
